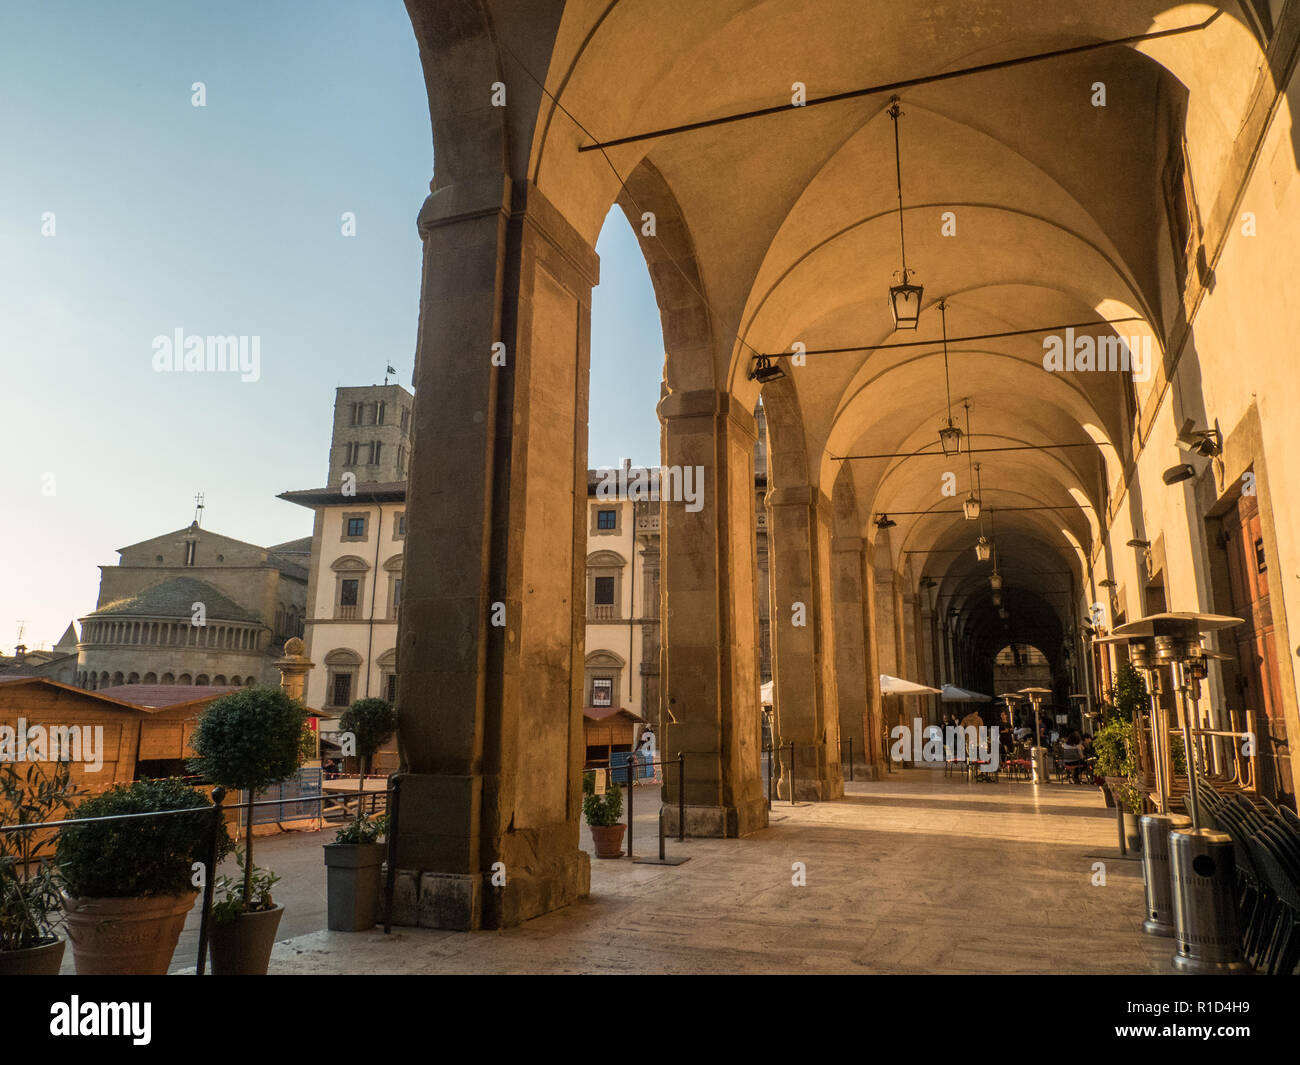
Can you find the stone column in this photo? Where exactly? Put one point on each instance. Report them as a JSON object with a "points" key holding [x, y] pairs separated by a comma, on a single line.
{"points": [[853, 673], [710, 618], [803, 642], [490, 648]]}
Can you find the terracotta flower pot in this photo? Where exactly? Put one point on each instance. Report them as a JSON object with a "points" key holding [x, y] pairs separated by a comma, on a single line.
{"points": [[608, 840], [242, 947], [116, 937], [353, 885], [42, 960]]}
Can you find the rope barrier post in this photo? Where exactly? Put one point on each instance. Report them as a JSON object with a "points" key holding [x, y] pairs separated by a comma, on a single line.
{"points": [[661, 834], [681, 797], [850, 759], [770, 753], [391, 833], [792, 772], [631, 781], [209, 879]]}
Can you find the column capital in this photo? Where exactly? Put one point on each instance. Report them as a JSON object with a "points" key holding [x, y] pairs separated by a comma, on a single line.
{"points": [[463, 201]]}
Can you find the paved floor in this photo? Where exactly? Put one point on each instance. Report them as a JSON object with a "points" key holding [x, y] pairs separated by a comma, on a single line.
{"points": [[914, 874]]}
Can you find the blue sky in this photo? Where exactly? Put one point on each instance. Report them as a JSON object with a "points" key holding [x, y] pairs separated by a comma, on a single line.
{"points": [[219, 220]]}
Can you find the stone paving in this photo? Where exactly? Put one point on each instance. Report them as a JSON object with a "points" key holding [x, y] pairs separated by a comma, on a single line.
{"points": [[917, 873]]}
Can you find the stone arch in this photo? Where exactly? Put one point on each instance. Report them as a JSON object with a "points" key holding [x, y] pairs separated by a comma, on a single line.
{"points": [[168, 678], [150, 678], [350, 564], [343, 656]]}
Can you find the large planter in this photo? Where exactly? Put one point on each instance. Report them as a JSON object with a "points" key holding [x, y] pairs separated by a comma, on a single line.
{"points": [[1107, 796], [43, 960], [353, 882], [242, 947], [608, 840], [117, 937]]}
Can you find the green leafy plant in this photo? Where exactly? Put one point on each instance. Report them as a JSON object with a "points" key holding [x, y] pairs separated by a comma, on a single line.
{"points": [[230, 892], [1129, 695], [602, 811], [142, 856], [1129, 796], [248, 740], [1113, 745], [364, 830], [30, 895]]}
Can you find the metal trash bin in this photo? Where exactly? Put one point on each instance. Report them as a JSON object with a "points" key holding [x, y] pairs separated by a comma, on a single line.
{"points": [[1155, 829], [1038, 758], [1204, 885]]}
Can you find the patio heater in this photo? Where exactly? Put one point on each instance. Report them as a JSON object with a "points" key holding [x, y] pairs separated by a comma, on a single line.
{"points": [[1037, 754], [1197, 862]]}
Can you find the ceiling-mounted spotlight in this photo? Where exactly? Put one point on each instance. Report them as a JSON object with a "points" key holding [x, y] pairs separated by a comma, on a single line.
{"points": [[885, 522], [1206, 442], [765, 370], [904, 298], [1182, 472]]}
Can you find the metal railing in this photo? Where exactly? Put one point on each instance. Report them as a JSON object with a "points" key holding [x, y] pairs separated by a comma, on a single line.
{"points": [[216, 813]]}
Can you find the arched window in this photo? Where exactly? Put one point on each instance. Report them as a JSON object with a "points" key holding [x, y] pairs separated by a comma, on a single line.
{"points": [[343, 666], [168, 678], [150, 678], [117, 680], [605, 586], [184, 678], [133, 678], [201, 680], [249, 682], [219, 679], [604, 672]]}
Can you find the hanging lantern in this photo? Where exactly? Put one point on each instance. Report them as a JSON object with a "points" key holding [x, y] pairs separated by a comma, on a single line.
{"points": [[995, 581], [950, 440], [983, 549], [905, 302], [971, 508], [997, 598]]}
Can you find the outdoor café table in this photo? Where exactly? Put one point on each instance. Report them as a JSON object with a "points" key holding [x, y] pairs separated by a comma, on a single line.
{"points": [[350, 788]]}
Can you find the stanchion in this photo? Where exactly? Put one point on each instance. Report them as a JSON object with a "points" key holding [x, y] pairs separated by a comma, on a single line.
{"points": [[631, 782], [850, 758], [393, 805], [662, 859], [681, 797], [792, 772], [210, 878]]}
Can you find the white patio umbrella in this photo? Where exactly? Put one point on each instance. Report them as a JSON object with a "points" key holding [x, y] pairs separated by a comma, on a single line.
{"points": [[953, 694], [898, 686]]}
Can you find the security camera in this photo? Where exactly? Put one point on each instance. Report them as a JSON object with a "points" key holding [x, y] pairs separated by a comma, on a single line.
{"points": [[1205, 442]]}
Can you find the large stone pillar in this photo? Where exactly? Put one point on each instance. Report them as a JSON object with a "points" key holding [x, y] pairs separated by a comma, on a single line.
{"points": [[853, 673], [491, 639], [710, 618], [803, 642]]}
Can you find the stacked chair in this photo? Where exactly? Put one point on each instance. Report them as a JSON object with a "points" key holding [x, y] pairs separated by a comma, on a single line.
{"points": [[1266, 842]]}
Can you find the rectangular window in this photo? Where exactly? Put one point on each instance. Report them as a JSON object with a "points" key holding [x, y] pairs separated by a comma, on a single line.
{"points": [[397, 592], [375, 450], [401, 524], [356, 526], [602, 691], [406, 418], [390, 688], [342, 691], [604, 591], [191, 548], [370, 413], [348, 589], [401, 461], [381, 414], [356, 414], [606, 519]]}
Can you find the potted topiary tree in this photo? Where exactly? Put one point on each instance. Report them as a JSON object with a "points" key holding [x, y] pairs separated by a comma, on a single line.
{"points": [[603, 813], [354, 861], [30, 897], [128, 884], [353, 882], [247, 740]]}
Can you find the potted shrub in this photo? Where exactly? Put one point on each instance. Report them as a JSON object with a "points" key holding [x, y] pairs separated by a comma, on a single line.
{"points": [[1130, 798], [30, 897], [248, 740], [603, 813], [129, 884], [239, 946], [353, 863], [354, 860]]}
